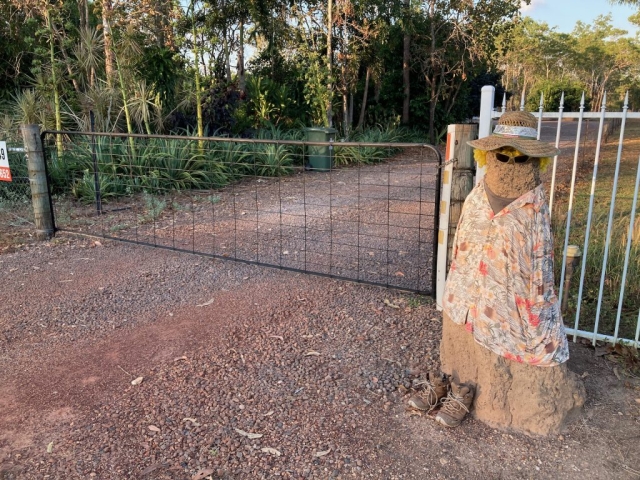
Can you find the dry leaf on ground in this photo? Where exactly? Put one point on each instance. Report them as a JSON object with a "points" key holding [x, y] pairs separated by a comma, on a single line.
{"points": [[270, 450], [268, 414], [279, 337], [50, 447], [312, 353], [151, 468], [389, 304], [322, 454], [137, 381], [248, 434], [202, 473], [206, 303], [192, 420], [153, 428]]}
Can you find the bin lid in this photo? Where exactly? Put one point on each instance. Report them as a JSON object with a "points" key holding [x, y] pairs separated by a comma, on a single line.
{"points": [[321, 129]]}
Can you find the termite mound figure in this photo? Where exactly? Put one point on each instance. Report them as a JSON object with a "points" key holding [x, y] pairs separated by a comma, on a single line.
{"points": [[503, 334]]}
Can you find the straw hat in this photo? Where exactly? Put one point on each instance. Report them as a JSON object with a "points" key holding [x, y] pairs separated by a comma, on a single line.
{"points": [[517, 130]]}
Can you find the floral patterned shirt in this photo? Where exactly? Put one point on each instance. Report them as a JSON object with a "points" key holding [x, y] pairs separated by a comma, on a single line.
{"points": [[500, 282]]}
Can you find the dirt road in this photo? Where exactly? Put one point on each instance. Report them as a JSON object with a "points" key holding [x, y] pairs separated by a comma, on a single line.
{"points": [[312, 365]]}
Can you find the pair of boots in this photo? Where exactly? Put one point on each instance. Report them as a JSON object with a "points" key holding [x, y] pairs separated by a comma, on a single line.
{"points": [[453, 399]]}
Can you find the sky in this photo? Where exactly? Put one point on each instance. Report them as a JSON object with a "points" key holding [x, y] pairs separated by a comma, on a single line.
{"points": [[564, 14]]}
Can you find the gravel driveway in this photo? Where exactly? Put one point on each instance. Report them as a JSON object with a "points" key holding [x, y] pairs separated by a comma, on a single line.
{"points": [[373, 223], [314, 366]]}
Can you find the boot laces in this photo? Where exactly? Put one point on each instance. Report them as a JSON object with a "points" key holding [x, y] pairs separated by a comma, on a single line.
{"points": [[427, 389], [453, 404]]}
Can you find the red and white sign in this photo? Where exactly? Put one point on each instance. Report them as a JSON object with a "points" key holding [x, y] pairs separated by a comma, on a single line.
{"points": [[5, 172]]}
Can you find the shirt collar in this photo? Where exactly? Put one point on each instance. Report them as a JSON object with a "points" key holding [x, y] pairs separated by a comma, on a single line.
{"points": [[534, 197]]}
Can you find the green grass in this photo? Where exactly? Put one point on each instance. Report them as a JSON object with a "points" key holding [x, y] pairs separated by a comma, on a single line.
{"points": [[598, 232], [368, 155]]}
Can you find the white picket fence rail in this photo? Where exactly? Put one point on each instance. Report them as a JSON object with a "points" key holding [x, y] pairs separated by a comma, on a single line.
{"points": [[488, 114]]}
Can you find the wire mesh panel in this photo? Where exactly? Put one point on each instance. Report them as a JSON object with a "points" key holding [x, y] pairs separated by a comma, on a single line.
{"points": [[369, 218], [16, 214]]}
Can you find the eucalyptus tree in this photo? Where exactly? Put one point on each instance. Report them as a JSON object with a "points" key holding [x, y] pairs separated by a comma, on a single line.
{"points": [[453, 39], [603, 55], [593, 58], [531, 52], [361, 27]]}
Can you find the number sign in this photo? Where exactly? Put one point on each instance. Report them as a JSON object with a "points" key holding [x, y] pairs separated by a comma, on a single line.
{"points": [[5, 173]]}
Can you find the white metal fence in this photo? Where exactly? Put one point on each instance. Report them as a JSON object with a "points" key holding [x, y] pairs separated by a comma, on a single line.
{"points": [[624, 325]]}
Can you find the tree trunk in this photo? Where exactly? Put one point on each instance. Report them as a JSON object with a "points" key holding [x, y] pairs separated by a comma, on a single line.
{"points": [[83, 13], [406, 62], [364, 99], [227, 55], [432, 119], [158, 23], [197, 78], [125, 102], [67, 61], [345, 113], [107, 40], [432, 54], [350, 109], [329, 63], [241, 79], [56, 94]]}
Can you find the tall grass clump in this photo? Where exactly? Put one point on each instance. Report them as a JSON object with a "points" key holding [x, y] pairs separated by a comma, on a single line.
{"points": [[596, 249], [369, 155]]}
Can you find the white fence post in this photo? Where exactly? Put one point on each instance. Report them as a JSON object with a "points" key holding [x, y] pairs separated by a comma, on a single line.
{"points": [[484, 125]]}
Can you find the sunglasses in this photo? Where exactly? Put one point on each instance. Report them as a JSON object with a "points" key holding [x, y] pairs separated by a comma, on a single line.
{"points": [[518, 159]]}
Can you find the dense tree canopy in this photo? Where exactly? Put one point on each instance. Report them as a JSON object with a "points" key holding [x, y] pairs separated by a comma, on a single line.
{"points": [[235, 66]]}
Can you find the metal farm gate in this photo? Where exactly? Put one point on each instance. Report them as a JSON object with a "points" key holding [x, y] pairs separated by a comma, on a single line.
{"points": [[371, 218], [593, 191]]}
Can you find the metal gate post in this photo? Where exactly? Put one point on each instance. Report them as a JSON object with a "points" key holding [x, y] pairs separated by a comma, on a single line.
{"points": [[42, 209], [457, 182]]}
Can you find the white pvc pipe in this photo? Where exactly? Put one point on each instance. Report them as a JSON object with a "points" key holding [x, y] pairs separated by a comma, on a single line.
{"points": [[627, 252], [555, 158], [638, 331], [611, 211], [541, 111], [486, 109], [592, 196], [599, 336], [630, 115], [571, 194], [487, 100], [522, 97]]}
